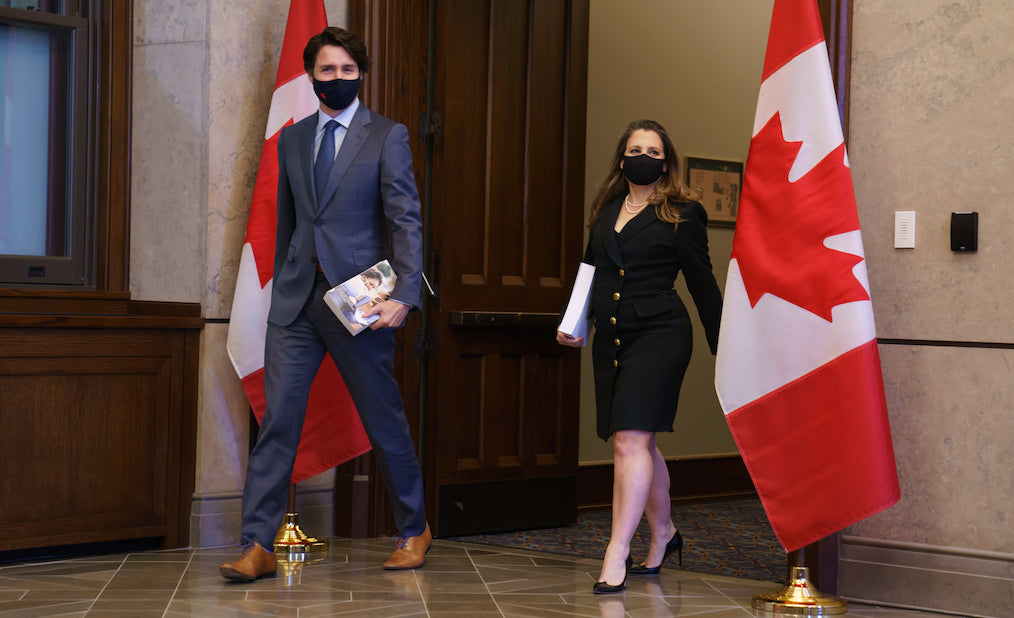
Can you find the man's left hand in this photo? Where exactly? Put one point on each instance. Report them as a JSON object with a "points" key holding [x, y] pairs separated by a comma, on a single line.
{"points": [[391, 312]]}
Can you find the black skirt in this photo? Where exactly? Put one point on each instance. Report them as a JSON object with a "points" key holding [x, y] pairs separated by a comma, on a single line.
{"points": [[637, 383]]}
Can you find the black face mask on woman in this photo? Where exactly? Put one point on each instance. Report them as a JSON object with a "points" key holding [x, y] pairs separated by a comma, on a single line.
{"points": [[642, 169], [337, 93]]}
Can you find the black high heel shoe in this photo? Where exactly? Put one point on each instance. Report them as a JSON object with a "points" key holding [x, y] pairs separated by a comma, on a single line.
{"points": [[604, 588], [675, 544]]}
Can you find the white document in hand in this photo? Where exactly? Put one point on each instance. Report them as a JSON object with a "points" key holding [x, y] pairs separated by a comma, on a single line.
{"points": [[575, 318]]}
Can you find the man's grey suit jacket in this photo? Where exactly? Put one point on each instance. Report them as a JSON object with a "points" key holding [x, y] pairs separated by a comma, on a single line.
{"points": [[369, 211]]}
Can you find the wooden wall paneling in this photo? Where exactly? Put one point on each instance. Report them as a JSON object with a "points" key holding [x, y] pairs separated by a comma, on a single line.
{"points": [[62, 412], [99, 414], [185, 373]]}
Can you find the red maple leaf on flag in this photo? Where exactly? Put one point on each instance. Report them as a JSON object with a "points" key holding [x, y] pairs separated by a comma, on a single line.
{"points": [[780, 233]]}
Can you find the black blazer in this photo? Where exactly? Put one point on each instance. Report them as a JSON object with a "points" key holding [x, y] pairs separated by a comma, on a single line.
{"points": [[656, 255]]}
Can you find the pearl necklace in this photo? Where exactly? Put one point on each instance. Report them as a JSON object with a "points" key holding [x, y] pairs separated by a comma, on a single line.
{"points": [[633, 208]]}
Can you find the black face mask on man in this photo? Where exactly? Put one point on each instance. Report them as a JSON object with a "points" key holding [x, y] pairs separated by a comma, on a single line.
{"points": [[337, 93], [642, 169]]}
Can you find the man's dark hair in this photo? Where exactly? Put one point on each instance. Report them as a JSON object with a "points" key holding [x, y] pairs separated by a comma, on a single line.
{"points": [[340, 37]]}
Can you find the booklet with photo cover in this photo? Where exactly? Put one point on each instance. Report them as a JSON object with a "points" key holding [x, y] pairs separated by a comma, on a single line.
{"points": [[348, 299]]}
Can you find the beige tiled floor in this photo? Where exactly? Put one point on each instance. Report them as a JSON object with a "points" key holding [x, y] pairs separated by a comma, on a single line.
{"points": [[458, 579]]}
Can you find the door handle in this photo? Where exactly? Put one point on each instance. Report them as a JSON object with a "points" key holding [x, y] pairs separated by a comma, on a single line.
{"points": [[523, 319]]}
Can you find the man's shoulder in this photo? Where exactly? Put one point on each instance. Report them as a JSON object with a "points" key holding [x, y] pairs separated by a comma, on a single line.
{"points": [[308, 122], [374, 120]]}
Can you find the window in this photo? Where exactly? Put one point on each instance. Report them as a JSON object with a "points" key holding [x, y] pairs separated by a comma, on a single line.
{"points": [[45, 221]]}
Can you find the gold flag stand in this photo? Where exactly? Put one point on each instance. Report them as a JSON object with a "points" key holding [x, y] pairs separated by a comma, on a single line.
{"points": [[799, 597], [291, 543]]}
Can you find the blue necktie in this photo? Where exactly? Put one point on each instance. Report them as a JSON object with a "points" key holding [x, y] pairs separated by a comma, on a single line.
{"points": [[325, 159]]}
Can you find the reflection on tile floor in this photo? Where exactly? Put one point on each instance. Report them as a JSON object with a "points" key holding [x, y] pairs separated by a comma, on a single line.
{"points": [[459, 579]]}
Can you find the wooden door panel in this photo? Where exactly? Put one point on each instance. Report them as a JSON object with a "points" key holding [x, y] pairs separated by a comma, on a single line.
{"points": [[507, 193], [508, 394], [502, 164], [548, 149], [460, 165], [505, 147]]}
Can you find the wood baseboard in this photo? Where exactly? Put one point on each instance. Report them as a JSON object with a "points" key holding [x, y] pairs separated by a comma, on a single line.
{"points": [[694, 479]]}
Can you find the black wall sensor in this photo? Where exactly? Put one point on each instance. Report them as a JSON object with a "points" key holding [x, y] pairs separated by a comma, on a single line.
{"points": [[964, 231]]}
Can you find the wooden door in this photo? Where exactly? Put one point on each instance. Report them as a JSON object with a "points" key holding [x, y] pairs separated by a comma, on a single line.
{"points": [[506, 232], [495, 90]]}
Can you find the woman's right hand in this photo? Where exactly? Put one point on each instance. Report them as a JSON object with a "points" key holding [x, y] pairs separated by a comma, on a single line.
{"points": [[567, 340]]}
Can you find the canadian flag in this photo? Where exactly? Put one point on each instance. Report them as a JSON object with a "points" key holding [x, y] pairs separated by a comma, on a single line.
{"points": [[798, 371], [332, 433]]}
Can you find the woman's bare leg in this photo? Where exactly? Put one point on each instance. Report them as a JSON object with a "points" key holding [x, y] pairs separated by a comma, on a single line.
{"points": [[658, 508], [633, 469]]}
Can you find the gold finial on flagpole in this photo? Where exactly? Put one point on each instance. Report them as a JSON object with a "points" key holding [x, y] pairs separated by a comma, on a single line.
{"points": [[291, 543]]}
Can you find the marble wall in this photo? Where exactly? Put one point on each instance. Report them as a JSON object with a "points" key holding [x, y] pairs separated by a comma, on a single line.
{"points": [[932, 131], [169, 151], [204, 71]]}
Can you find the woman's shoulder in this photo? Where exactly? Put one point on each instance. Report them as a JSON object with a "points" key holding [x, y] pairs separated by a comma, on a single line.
{"points": [[691, 207], [692, 211]]}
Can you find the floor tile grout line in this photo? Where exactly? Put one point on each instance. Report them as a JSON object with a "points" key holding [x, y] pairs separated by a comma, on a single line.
{"points": [[485, 585], [732, 601], [172, 597], [422, 597], [106, 585]]}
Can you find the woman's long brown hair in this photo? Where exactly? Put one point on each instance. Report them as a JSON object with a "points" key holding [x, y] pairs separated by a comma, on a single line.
{"points": [[670, 189]]}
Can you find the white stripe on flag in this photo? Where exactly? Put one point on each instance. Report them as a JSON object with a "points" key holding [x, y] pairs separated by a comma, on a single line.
{"points": [[293, 100], [248, 322]]}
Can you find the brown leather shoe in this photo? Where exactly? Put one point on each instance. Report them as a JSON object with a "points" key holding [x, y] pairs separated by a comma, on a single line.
{"points": [[411, 553], [255, 563]]}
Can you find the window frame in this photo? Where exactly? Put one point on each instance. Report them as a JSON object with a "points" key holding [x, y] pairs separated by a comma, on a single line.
{"points": [[93, 29]]}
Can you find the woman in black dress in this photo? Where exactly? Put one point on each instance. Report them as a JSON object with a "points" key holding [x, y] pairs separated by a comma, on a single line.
{"points": [[645, 229]]}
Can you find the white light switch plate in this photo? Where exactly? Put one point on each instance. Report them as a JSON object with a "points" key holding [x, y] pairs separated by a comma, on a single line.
{"points": [[904, 229]]}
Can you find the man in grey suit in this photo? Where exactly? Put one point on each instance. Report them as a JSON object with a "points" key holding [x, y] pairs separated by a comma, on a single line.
{"points": [[346, 200]]}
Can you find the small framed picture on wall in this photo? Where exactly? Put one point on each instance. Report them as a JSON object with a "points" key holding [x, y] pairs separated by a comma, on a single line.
{"points": [[720, 183]]}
